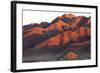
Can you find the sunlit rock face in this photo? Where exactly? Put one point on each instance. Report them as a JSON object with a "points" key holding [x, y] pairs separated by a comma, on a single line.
{"points": [[66, 38]]}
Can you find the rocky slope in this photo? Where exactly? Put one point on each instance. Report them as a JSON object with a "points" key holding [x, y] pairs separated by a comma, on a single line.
{"points": [[65, 34]]}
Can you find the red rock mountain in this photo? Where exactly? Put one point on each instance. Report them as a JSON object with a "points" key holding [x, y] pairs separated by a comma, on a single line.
{"points": [[34, 31], [65, 37], [65, 25], [58, 25]]}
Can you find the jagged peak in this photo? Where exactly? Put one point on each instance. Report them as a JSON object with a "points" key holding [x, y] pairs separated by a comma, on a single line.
{"points": [[70, 16]]}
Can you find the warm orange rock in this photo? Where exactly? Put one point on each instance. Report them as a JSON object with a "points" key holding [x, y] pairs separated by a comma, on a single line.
{"points": [[75, 21], [58, 25], [64, 36], [74, 35], [84, 31], [36, 30], [71, 55], [61, 24]]}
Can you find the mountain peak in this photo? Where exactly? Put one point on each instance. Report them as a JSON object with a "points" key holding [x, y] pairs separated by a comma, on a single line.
{"points": [[43, 23], [70, 16]]}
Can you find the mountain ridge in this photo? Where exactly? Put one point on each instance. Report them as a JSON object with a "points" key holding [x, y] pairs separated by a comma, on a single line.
{"points": [[59, 27]]}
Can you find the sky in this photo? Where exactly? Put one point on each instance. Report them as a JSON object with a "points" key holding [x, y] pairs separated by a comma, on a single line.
{"points": [[43, 16]]}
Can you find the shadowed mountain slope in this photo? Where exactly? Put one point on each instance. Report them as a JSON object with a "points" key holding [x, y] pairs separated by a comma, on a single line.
{"points": [[64, 34]]}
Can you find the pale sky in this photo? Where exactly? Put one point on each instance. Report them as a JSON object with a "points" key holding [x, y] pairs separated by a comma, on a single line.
{"points": [[41, 16]]}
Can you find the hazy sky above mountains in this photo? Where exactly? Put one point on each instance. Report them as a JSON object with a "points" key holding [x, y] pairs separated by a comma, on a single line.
{"points": [[41, 16]]}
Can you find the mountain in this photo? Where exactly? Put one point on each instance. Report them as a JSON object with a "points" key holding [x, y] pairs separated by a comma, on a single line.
{"points": [[70, 16], [33, 25], [58, 25], [35, 31], [64, 34], [34, 35], [66, 37]]}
